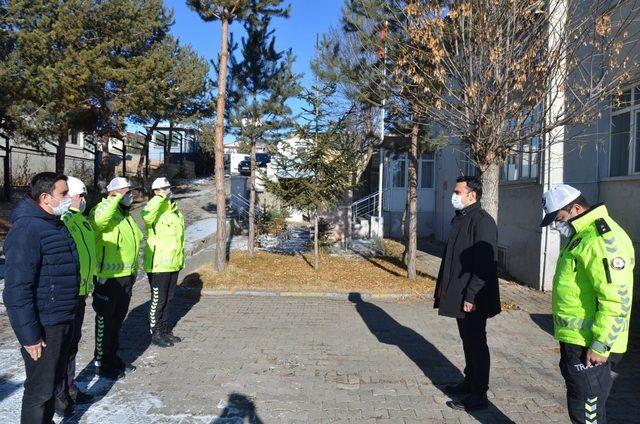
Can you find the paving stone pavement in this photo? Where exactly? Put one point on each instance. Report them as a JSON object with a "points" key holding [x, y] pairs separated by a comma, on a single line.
{"points": [[303, 360]]}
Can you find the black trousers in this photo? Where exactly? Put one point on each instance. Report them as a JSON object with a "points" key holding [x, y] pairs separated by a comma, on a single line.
{"points": [[587, 387], [111, 302], [45, 374], [76, 335], [473, 332], [163, 287]]}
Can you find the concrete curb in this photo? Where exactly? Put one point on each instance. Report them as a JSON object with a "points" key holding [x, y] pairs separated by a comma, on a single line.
{"points": [[324, 295]]}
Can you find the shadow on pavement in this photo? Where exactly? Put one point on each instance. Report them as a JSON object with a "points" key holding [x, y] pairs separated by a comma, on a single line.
{"points": [[7, 387], [239, 409], [544, 321], [188, 294], [135, 339], [435, 366]]}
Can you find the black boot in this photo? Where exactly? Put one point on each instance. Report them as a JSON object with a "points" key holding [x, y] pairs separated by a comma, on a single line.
{"points": [[168, 334], [158, 339], [106, 370]]}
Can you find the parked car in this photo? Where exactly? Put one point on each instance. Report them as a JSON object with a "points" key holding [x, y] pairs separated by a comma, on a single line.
{"points": [[262, 160]]}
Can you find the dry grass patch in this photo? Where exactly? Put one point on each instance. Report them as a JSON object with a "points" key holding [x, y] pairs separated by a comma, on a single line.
{"points": [[275, 272]]}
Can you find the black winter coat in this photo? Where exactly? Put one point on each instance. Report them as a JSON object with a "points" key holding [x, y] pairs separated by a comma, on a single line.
{"points": [[468, 271], [41, 272]]}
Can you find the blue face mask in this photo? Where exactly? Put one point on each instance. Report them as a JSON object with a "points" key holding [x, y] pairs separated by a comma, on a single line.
{"points": [[565, 229], [127, 200]]}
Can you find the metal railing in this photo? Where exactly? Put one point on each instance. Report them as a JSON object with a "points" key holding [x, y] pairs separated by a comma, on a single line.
{"points": [[240, 205], [365, 207]]}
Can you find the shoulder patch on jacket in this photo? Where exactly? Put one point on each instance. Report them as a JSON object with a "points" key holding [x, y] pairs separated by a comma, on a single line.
{"points": [[602, 226], [574, 244]]}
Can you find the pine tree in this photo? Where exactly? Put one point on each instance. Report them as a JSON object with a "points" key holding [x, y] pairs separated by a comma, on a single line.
{"points": [[75, 57], [262, 82], [170, 84], [226, 11], [315, 178]]}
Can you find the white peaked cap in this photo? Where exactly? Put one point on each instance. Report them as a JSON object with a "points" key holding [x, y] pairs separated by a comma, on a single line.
{"points": [[76, 186]]}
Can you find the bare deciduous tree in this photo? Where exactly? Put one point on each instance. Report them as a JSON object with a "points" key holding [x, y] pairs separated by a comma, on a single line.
{"points": [[498, 73]]}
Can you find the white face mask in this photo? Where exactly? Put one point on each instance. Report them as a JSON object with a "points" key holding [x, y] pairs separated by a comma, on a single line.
{"points": [[83, 205], [127, 200], [63, 206], [456, 201]]}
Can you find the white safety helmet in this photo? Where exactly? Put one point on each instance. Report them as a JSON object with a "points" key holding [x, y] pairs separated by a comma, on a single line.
{"points": [[76, 186], [118, 183], [160, 183]]}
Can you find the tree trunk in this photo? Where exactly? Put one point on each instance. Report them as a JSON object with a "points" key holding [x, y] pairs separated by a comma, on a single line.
{"points": [[490, 189], [144, 154], [105, 162], [221, 236], [167, 144], [61, 149], [252, 201], [316, 244], [412, 197], [124, 157], [7, 169]]}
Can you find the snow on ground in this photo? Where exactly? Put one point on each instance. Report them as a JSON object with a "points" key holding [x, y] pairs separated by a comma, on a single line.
{"points": [[198, 231], [113, 404]]}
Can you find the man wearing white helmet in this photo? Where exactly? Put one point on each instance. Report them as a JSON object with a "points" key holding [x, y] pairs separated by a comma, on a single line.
{"points": [[163, 258], [591, 299], [84, 238], [117, 245]]}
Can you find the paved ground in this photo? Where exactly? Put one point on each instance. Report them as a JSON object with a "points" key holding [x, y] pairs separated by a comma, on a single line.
{"points": [[290, 360], [308, 360]]}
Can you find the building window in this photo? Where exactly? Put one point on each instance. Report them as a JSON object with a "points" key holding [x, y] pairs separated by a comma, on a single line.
{"points": [[398, 171], [523, 163], [74, 138], [624, 152], [427, 170]]}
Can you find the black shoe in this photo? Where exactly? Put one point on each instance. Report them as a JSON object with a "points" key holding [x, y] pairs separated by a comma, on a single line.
{"points": [[128, 368], [79, 397], [110, 373], [64, 406], [173, 339], [158, 339], [469, 404], [463, 388]]}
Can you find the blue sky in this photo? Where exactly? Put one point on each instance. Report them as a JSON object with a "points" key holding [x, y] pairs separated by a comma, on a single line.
{"points": [[308, 18]]}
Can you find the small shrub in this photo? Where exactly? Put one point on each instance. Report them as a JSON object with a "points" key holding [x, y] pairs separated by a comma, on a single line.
{"points": [[325, 231], [272, 221]]}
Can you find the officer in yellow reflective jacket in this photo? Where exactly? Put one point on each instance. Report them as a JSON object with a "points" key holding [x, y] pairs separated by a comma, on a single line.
{"points": [[68, 393], [592, 298], [117, 245], [163, 258]]}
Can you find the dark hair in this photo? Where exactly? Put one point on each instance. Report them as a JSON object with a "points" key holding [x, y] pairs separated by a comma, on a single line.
{"points": [[44, 183], [581, 201], [473, 183]]}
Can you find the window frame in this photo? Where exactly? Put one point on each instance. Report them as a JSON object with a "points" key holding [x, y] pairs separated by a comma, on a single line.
{"points": [[426, 158], [633, 109]]}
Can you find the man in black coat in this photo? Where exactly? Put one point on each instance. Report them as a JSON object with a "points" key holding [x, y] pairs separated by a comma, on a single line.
{"points": [[41, 290], [467, 289]]}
